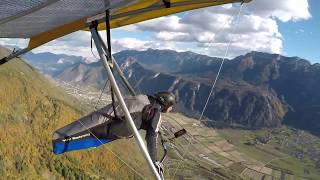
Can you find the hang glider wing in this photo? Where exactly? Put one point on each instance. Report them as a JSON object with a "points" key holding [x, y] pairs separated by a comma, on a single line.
{"points": [[45, 20]]}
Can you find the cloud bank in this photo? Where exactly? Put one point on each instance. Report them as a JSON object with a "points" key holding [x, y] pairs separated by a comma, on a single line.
{"points": [[206, 31]]}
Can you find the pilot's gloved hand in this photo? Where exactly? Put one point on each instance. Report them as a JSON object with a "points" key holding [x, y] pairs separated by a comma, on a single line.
{"points": [[159, 167]]}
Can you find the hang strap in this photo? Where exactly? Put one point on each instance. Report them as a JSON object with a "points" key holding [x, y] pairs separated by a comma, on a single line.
{"points": [[167, 3]]}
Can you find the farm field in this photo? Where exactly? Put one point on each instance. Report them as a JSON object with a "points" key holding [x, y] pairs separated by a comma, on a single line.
{"points": [[224, 154], [206, 153]]}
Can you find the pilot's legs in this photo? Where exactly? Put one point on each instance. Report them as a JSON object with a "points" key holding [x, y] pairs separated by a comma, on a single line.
{"points": [[87, 132]]}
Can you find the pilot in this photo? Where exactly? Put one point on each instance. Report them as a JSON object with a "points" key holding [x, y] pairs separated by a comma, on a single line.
{"points": [[103, 126]]}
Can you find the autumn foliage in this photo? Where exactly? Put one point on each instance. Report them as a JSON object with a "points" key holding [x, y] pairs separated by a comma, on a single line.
{"points": [[31, 108]]}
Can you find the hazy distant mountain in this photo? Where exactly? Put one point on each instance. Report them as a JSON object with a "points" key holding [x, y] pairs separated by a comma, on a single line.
{"points": [[50, 63], [169, 61], [255, 90], [83, 74], [236, 103]]}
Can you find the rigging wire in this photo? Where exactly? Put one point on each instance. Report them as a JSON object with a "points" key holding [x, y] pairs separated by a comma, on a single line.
{"points": [[88, 129], [116, 155], [222, 62], [100, 97], [184, 153], [187, 149], [109, 57], [218, 74], [180, 163], [137, 84], [105, 85], [15, 46], [195, 158], [92, 50]]}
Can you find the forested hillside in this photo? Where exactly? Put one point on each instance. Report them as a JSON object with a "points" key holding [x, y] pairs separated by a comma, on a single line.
{"points": [[30, 110]]}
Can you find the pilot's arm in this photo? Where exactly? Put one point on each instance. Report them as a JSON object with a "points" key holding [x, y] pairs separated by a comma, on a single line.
{"points": [[152, 134]]}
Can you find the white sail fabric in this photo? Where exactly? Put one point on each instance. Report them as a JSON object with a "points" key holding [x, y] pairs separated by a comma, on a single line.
{"points": [[27, 18]]}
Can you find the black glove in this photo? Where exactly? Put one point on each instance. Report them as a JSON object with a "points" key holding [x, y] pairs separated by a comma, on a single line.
{"points": [[159, 167]]}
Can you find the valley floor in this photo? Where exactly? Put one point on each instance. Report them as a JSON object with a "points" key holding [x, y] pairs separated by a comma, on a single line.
{"points": [[207, 153], [226, 154]]}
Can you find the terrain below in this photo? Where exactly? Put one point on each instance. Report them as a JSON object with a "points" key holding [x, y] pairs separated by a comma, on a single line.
{"points": [[206, 153]]}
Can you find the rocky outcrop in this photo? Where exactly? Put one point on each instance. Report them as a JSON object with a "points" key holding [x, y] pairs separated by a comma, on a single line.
{"points": [[255, 90]]}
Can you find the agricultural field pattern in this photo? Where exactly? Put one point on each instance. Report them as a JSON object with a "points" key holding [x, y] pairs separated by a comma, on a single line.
{"points": [[208, 153]]}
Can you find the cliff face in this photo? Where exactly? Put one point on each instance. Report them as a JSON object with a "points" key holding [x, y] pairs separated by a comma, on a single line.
{"points": [[254, 90], [233, 103]]}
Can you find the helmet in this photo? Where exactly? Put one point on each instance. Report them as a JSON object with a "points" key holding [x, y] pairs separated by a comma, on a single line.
{"points": [[166, 99]]}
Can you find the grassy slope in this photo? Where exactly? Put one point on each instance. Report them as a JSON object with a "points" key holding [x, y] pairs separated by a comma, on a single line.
{"points": [[30, 110]]}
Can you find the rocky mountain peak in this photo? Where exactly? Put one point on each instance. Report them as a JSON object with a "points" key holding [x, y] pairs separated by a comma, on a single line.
{"points": [[255, 90]]}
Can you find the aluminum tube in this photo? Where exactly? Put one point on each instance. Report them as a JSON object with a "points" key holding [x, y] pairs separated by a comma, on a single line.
{"points": [[124, 79], [114, 85], [13, 55]]}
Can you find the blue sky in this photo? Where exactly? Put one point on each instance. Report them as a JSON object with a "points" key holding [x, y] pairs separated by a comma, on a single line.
{"points": [[287, 27], [302, 38]]}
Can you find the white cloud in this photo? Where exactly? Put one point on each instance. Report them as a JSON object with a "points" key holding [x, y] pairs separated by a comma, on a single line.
{"points": [[168, 23], [174, 36], [206, 28], [284, 10], [11, 42], [206, 31], [299, 31], [257, 29], [77, 44], [136, 44], [131, 43]]}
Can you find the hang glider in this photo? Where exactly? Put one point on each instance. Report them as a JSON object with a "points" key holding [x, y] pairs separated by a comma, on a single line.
{"points": [[42, 21]]}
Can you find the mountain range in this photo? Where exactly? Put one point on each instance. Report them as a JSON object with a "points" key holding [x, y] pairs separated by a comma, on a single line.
{"points": [[50, 63], [255, 90]]}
